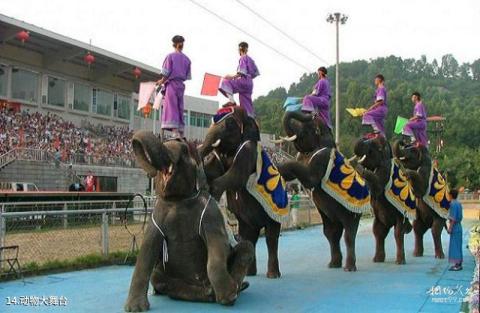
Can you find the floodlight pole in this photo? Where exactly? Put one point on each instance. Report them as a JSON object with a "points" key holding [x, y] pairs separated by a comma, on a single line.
{"points": [[338, 19]]}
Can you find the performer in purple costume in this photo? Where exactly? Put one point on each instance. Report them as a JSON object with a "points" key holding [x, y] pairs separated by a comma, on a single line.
{"points": [[318, 102], [175, 70], [417, 125], [242, 81], [376, 114]]}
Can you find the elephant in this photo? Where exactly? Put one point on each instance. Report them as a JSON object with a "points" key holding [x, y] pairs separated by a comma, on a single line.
{"points": [[418, 165], [314, 143], [229, 152], [374, 166], [185, 252]]}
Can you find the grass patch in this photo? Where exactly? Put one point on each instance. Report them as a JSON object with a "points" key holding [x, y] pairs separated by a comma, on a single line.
{"points": [[80, 263]]}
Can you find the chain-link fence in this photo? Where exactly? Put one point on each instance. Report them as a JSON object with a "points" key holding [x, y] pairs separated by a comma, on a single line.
{"points": [[49, 233]]}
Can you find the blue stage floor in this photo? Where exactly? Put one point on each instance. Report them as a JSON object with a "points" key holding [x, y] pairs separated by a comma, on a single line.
{"points": [[307, 285]]}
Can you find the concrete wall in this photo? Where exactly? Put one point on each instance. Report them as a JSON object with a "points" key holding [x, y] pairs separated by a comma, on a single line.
{"points": [[49, 177]]}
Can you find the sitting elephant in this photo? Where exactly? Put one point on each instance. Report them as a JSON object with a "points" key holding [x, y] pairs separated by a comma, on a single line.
{"points": [[185, 252], [375, 166], [315, 145], [418, 166], [230, 157]]}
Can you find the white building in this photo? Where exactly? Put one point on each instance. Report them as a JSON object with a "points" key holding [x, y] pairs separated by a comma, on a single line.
{"points": [[48, 72]]}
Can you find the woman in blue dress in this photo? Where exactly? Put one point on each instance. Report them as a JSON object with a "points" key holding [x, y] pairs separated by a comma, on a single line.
{"points": [[455, 254]]}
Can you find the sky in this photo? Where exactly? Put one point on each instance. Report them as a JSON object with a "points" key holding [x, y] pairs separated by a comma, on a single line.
{"points": [[142, 30]]}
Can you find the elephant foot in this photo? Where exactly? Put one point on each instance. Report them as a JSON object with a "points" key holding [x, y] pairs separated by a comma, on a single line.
{"points": [[273, 274], [252, 272], [379, 258], [350, 268], [335, 264], [160, 289], [400, 261], [417, 253], [439, 255], [137, 304]]}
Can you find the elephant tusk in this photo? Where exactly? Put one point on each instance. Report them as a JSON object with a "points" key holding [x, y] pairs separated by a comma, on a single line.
{"points": [[362, 158], [402, 158], [290, 139], [277, 140], [216, 143], [352, 158], [170, 169]]}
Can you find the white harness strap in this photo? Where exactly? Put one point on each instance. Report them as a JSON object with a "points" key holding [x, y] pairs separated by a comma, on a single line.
{"points": [[203, 213], [316, 152], [164, 244], [238, 151]]}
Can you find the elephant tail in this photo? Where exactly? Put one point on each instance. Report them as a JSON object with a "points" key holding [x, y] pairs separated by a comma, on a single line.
{"points": [[407, 226]]}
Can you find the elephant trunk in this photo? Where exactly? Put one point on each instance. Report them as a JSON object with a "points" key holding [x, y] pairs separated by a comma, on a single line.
{"points": [[150, 152], [398, 150], [211, 141]]}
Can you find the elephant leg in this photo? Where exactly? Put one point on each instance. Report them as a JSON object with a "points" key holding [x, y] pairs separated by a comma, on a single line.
{"points": [[240, 260], [272, 232], [399, 240], [437, 227], [159, 280], [349, 237], [380, 232], [149, 254], [419, 229], [251, 234], [181, 290], [333, 232]]}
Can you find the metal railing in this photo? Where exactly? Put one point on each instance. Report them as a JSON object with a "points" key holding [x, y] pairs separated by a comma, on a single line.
{"points": [[59, 231], [7, 158]]}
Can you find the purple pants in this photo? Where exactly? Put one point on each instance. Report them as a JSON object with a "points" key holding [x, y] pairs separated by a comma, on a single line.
{"points": [[417, 129], [172, 114], [243, 86], [319, 105], [376, 118]]}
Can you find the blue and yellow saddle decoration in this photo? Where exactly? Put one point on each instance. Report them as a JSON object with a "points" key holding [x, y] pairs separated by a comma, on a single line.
{"points": [[268, 187], [438, 196], [399, 192], [344, 184]]}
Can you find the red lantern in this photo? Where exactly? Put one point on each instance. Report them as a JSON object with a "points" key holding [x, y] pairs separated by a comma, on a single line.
{"points": [[89, 58], [137, 72], [147, 109], [23, 36]]}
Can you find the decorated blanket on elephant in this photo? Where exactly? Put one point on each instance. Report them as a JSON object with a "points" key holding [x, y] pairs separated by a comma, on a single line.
{"points": [[344, 184], [399, 192], [438, 196], [268, 187]]}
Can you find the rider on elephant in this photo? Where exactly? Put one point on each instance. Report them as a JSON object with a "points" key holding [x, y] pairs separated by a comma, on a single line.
{"points": [[318, 102], [375, 115], [242, 81], [416, 127], [186, 253]]}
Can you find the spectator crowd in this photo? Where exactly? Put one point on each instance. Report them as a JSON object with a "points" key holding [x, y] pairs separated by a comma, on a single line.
{"points": [[103, 145]]}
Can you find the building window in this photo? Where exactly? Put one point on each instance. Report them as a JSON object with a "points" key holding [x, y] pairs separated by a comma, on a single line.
{"points": [[207, 120], [82, 96], [104, 102], [24, 85], [3, 80], [123, 107], [56, 91], [135, 111]]}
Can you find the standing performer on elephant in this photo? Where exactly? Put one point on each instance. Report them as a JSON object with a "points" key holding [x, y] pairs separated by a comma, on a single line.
{"points": [[416, 127], [318, 102], [175, 70], [455, 254], [376, 114], [242, 81]]}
